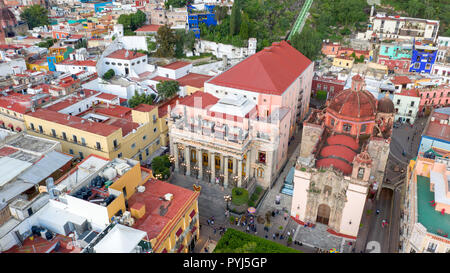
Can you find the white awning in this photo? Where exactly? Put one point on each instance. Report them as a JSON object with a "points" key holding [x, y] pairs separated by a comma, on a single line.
{"points": [[121, 239]]}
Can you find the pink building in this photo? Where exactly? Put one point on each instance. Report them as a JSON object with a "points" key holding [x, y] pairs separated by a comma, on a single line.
{"points": [[225, 141], [276, 77], [330, 49], [434, 97]]}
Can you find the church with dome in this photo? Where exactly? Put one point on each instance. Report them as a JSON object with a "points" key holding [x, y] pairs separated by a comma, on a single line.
{"points": [[342, 159]]}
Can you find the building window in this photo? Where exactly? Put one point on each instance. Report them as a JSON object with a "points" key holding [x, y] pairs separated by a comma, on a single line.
{"points": [[119, 155], [416, 65], [347, 127], [32, 126], [71, 151], [64, 135], [157, 141], [144, 137], [318, 86], [262, 157], [398, 102], [412, 103], [363, 128], [133, 145], [53, 132], [75, 140], [41, 130], [146, 152], [427, 66], [154, 130], [140, 157], [83, 141], [81, 155], [360, 173], [99, 147], [432, 247], [332, 122]]}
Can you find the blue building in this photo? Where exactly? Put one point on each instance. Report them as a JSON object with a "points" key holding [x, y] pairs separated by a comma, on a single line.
{"points": [[423, 57], [207, 17]]}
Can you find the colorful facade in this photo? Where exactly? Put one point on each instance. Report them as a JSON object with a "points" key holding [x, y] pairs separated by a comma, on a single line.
{"points": [[423, 57], [425, 224], [336, 169]]}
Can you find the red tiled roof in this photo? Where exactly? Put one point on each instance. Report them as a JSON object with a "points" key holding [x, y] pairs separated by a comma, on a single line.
{"points": [[194, 79], [336, 163], [437, 130], [354, 104], [74, 122], [121, 54], [107, 96], [401, 80], [338, 151], [409, 92], [343, 140], [114, 111], [13, 106], [176, 65], [5, 151], [162, 109], [153, 222], [127, 126], [148, 28], [270, 71], [79, 63], [161, 79], [199, 99], [144, 107]]}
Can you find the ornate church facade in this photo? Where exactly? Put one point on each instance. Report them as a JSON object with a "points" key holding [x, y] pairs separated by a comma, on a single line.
{"points": [[342, 159]]}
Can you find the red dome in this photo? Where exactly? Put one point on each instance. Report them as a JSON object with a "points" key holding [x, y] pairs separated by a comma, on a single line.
{"points": [[343, 140], [338, 151], [336, 163], [354, 104]]}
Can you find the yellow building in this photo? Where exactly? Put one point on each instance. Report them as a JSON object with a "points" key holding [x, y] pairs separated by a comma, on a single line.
{"points": [[344, 62], [88, 124], [38, 65], [177, 216]]}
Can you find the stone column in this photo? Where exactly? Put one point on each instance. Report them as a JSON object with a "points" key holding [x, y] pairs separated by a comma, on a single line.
{"points": [[200, 163], [234, 166], [212, 166], [239, 173], [225, 178], [247, 165], [175, 154], [222, 165], [187, 159]]}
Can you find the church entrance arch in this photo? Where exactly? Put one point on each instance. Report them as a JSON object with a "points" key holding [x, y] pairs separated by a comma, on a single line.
{"points": [[323, 214]]}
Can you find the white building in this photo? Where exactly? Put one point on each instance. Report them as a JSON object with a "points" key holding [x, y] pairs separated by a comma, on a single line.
{"points": [[397, 27], [126, 63], [222, 50], [406, 105]]}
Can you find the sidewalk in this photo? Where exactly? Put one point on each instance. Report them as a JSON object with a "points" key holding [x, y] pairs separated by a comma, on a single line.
{"points": [[363, 233]]}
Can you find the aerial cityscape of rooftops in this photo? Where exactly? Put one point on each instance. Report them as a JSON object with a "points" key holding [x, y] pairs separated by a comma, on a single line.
{"points": [[221, 126]]}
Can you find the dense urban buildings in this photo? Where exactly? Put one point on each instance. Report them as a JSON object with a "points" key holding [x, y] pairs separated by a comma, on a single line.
{"points": [[156, 126]]}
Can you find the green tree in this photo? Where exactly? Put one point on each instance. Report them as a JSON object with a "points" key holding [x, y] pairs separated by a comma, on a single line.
{"points": [[161, 165], [166, 40], [167, 89], [244, 27], [48, 42], [308, 42], [221, 13], [142, 98], [109, 74], [235, 19], [35, 16]]}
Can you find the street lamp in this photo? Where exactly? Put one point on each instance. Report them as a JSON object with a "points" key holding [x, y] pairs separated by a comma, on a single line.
{"points": [[227, 199]]}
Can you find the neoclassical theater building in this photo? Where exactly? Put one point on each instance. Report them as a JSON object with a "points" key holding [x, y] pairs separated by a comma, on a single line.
{"points": [[237, 131], [342, 159]]}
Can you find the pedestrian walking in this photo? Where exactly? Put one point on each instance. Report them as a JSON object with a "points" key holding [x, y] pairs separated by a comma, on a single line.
{"points": [[288, 233], [273, 236], [293, 230], [378, 211]]}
